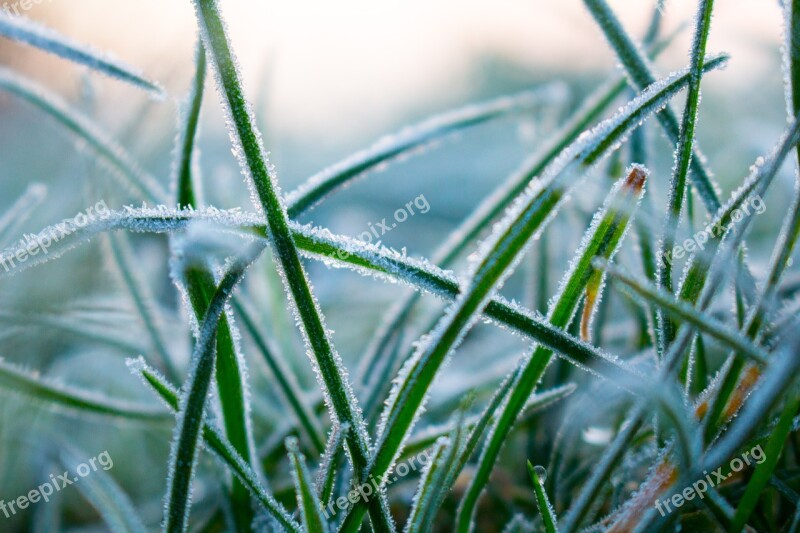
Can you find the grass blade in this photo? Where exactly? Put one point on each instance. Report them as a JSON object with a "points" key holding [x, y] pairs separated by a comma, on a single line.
{"points": [[248, 145], [217, 443], [545, 509], [683, 158], [410, 138], [421, 519], [109, 150], [185, 447], [71, 400], [26, 31], [702, 321], [307, 501]]}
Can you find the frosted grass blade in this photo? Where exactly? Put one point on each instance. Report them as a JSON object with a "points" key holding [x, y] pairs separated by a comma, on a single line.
{"points": [[185, 169], [70, 400], [410, 138], [186, 443], [545, 509], [683, 158], [326, 476], [307, 501], [420, 519], [702, 321], [26, 31], [81, 126], [253, 160]]}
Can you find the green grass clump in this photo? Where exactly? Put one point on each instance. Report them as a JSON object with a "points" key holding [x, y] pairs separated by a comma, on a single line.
{"points": [[632, 385]]}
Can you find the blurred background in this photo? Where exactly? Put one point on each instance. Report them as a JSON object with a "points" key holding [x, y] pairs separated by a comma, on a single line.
{"points": [[325, 79]]}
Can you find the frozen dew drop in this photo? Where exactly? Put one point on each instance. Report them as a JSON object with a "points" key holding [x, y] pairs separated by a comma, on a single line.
{"points": [[541, 473]]}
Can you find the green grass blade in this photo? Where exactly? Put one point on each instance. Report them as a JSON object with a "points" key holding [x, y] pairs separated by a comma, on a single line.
{"points": [[217, 443], [641, 74], [74, 401], [413, 137], [109, 150], [326, 477], [248, 145], [285, 378], [105, 495], [185, 171], [188, 431], [142, 299], [545, 509], [26, 31], [419, 520], [683, 158], [763, 471], [602, 239], [702, 321], [791, 59], [307, 501]]}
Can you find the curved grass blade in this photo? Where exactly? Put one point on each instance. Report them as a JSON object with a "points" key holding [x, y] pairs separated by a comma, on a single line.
{"points": [[602, 239], [702, 321], [217, 443], [545, 509], [641, 74], [253, 160], [142, 299], [68, 399], [186, 170], [314, 190], [683, 158], [307, 501], [26, 31], [186, 444], [105, 495], [109, 150]]}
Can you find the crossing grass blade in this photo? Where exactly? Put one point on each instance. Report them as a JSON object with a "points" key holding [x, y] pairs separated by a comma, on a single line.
{"points": [[26, 31], [248, 144], [217, 443], [641, 74]]}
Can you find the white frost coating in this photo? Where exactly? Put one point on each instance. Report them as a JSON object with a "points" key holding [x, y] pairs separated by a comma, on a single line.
{"points": [[414, 137], [786, 59], [26, 31]]}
